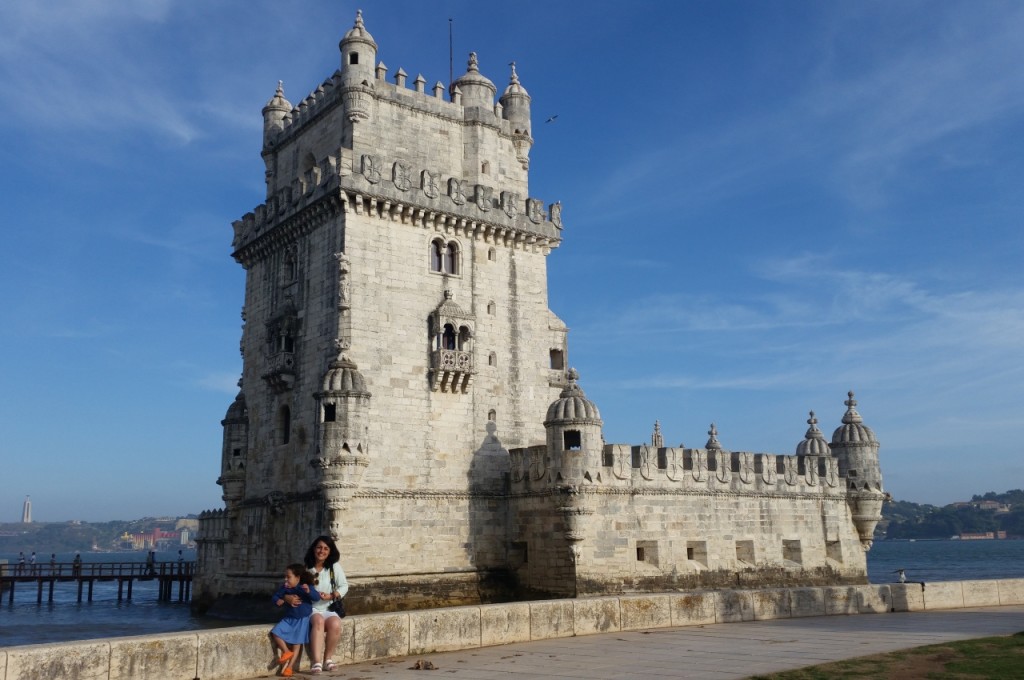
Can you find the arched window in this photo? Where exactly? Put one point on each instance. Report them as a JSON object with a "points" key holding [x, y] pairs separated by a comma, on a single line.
{"points": [[492, 254], [436, 255], [448, 337], [492, 415], [485, 167], [452, 258], [464, 338]]}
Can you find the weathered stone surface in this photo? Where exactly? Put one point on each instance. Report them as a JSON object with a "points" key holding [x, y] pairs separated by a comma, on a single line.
{"points": [[502, 624], [858, 599], [551, 619], [980, 593], [645, 611], [379, 636], [596, 615], [770, 604], [157, 657], [230, 652], [907, 597], [694, 609], [734, 606], [441, 630], [77, 660], [1011, 591], [943, 595], [807, 602]]}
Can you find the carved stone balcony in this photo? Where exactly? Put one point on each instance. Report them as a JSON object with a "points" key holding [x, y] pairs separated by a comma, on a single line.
{"points": [[451, 370], [280, 375]]}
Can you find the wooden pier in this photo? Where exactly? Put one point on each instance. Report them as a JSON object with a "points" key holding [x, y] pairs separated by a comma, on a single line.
{"points": [[87, 574]]}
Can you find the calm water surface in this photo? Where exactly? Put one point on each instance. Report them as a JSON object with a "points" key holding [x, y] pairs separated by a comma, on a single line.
{"points": [[25, 622]]}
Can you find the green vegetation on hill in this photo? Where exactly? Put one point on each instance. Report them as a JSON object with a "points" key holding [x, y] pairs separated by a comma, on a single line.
{"points": [[904, 520], [50, 537]]}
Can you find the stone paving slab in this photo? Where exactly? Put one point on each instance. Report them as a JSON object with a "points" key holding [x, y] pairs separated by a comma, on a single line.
{"points": [[726, 651]]}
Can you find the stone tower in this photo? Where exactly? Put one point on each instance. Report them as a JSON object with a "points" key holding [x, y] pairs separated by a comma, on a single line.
{"points": [[397, 337], [404, 384]]}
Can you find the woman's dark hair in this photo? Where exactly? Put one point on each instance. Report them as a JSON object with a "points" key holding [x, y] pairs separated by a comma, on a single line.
{"points": [[300, 570], [332, 559]]}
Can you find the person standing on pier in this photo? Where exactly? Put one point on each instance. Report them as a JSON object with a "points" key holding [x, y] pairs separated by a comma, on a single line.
{"points": [[53, 564], [292, 631], [32, 564], [21, 564], [76, 564]]}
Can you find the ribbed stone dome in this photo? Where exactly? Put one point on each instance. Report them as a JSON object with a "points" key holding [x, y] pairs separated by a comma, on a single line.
{"points": [[572, 405], [475, 87], [343, 376], [514, 88], [278, 102], [853, 430], [237, 412], [358, 32], [814, 443]]}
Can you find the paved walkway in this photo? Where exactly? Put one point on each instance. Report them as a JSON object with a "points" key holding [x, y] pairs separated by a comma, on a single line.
{"points": [[715, 652]]}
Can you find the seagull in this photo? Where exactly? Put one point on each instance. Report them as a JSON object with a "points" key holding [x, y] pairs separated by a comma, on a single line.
{"points": [[902, 575], [551, 119]]}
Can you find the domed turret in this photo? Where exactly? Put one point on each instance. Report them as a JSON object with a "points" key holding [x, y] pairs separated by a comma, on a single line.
{"points": [[813, 443], [515, 102], [358, 55], [713, 444], [575, 442], [476, 89], [234, 450], [856, 450], [274, 113], [343, 452]]}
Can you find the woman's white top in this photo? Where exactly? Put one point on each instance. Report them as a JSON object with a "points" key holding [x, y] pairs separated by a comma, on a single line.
{"points": [[323, 584]]}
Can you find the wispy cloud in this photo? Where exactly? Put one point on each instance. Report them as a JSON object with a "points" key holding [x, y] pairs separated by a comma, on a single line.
{"points": [[226, 383]]}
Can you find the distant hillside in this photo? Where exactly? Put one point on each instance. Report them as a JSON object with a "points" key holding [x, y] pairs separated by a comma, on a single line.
{"points": [[904, 520], [50, 537]]}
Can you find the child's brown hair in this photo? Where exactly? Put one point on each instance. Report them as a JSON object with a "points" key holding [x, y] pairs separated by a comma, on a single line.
{"points": [[299, 569]]}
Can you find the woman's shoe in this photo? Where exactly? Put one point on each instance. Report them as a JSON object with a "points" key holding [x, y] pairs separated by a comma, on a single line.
{"points": [[316, 668], [329, 665], [284, 658]]}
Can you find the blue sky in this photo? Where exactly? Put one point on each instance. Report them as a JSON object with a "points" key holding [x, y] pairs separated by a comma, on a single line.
{"points": [[767, 204]]}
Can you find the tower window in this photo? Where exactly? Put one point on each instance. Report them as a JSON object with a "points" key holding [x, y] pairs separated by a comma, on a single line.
{"points": [[491, 308], [353, 58], [485, 167], [448, 337], [492, 415], [330, 413], [557, 359], [452, 258], [572, 440], [284, 425], [436, 255], [492, 254], [236, 452], [492, 359]]}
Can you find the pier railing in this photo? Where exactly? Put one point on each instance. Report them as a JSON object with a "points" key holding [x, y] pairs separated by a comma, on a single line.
{"points": [[86, 574]]}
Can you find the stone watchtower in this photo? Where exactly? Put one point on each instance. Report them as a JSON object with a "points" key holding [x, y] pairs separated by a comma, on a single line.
{"points": [[397, 337]]}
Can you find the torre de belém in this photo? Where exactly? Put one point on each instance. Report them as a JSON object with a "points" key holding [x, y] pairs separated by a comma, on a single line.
{"points": [[405, 387]]}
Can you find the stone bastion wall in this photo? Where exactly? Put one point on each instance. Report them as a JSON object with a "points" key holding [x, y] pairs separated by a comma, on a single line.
{"points": [[245, 651]]}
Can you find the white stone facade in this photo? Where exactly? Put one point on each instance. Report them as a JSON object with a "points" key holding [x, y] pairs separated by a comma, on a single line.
{"points": [[399, 359]]}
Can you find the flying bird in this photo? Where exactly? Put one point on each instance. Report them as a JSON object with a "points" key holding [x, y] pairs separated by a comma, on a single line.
{"points": [[551, 119]]}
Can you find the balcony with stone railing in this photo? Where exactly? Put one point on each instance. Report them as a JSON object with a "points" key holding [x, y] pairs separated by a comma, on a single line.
{"points": [[451, 370]]}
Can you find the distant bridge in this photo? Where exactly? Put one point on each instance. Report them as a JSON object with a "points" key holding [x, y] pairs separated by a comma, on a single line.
{"points": [[87, 574]]}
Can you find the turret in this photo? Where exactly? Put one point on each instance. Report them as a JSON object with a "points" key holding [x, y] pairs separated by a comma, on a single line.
{"points": [[811, 450], [575, 442], [515, 103], [274, 113], [343, 448], [358, 55], [856, 450], [476, 89], [234, 450]]}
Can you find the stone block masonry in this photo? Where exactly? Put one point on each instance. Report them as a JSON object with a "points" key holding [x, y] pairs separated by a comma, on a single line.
{"points": [[246, 651]]}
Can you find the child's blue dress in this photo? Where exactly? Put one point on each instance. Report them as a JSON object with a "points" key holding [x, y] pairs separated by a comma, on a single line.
{"points": [[294, 627]]}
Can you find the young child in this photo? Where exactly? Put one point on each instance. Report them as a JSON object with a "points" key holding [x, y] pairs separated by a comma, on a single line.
{"points": [[293, 628]]}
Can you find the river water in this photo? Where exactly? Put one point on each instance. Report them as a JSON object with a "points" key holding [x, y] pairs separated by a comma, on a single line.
{"points": [[24, 622]]}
